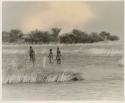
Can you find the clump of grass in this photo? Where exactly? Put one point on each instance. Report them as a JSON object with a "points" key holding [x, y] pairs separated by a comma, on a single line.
{"points": [[42, 77]]}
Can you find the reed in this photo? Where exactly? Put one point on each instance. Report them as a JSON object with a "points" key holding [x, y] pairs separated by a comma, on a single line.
{"points": [[42, 77]]}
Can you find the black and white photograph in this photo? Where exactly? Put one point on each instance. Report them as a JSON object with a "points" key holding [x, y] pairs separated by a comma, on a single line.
{"points": [[62, 50]]}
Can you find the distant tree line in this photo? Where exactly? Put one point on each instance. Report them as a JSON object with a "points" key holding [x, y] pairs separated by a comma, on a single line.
{"points": [[77, 36], [37, 36]]}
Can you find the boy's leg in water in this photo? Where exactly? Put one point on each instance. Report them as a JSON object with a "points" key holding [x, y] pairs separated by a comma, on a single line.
{"points": [[30, 57], [57, 59], [50, 60], [60, 61], [34, 59]]}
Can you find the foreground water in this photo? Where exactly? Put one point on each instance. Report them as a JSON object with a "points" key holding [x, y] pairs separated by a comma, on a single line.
{"points": [[100, 83], [101, 66], [82, 90]]}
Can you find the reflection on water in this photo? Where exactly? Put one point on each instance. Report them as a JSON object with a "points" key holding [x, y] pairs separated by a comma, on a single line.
{"points": [[80, 90], [101, 69]]}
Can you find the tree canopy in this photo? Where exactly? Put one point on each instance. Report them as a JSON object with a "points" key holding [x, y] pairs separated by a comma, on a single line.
{"points": [[75, 36]]}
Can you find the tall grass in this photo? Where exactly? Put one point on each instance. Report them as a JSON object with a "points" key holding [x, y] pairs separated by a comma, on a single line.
{"points": [[42, 77], [18, 69]]}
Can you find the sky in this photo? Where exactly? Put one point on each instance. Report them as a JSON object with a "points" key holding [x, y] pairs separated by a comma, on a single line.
{"points": [[86, 16]]}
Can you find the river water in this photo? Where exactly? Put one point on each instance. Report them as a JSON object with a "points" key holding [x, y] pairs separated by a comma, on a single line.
{"points": [[103, 77]]}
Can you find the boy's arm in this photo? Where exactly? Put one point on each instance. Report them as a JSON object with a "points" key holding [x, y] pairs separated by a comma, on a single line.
{"points": [[48, 56]]}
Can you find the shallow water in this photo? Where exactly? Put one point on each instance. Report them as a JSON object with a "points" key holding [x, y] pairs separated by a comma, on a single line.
{"points": [[82, 90], [103, 76], [100, 83]]}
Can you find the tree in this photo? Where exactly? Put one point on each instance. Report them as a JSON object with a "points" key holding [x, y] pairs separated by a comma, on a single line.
{"points": [[104, 35], [77, 34], [80, 36], [5, 36], [55, 33], [113, 37], [67, 38], [15, 35], [37, 36], [94, 37]]}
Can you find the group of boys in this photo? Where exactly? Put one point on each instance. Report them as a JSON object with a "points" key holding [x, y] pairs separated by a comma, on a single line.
{"points": [[50, 56], [58, 56]]}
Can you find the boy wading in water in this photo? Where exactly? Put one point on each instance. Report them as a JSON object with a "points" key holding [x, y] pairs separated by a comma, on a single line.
{"points": [[32, 54], [50, 56], [58, 56]]}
